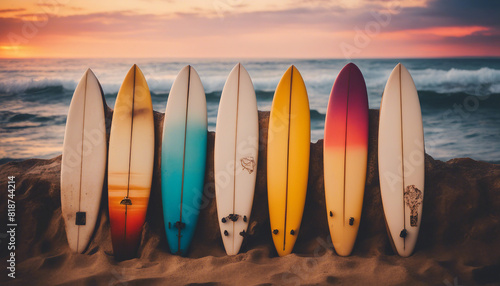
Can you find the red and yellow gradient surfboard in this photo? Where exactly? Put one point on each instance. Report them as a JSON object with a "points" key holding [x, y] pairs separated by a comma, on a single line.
{"points": [[130, 163], [345, 157]]}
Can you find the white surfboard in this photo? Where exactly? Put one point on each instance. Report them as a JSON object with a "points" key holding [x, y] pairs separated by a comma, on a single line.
{"points": [[401, 160], [236, 152], [83, 162]]}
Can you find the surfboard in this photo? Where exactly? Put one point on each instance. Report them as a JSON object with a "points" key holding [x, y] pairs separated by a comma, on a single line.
{"points": [[288, 146], [401, 160], [345, 154], [235, 157], [130, 163], [183, 157], [83, 162]]}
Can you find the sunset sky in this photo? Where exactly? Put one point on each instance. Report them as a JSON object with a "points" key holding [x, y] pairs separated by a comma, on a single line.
{"points": [[249, 29]]}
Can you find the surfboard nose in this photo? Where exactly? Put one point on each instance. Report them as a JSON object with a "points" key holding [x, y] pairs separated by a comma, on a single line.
{"points": [[350, 65]]}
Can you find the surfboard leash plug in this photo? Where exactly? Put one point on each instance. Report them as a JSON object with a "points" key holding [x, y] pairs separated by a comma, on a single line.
{"points": [[404, 233]]}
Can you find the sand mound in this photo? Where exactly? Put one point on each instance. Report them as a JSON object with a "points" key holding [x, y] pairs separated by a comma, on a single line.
{"points": [[459, 242]]}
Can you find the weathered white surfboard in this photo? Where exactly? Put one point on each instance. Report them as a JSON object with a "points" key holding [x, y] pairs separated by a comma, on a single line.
{"points": [[83, 162], [401, 160], [235, 157]]}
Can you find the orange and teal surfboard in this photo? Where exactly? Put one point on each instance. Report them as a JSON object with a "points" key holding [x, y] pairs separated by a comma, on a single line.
{"points": [[345, 157]]}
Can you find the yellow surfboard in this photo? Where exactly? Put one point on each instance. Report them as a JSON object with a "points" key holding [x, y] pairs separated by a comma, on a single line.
{"points": [[289, 135]]}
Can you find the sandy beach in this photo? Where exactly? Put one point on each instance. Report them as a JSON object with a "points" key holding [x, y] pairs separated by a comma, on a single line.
{"points": [[459, 242]]}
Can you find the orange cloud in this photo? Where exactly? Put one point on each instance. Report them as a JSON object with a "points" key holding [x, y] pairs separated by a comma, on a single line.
{"points": [[306, 30]]}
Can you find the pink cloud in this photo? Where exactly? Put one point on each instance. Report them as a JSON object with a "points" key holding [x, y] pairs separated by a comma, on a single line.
{"points": [[296, 32]]}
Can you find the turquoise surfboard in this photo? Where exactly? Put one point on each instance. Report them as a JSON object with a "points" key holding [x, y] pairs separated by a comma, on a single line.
{"points": [[183, 158]]}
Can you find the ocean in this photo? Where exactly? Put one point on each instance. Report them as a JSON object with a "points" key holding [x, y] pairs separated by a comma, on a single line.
{"points": [[460, 98]]}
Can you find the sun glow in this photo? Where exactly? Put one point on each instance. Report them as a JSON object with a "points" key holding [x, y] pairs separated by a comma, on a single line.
{"points": [[235, 28]]}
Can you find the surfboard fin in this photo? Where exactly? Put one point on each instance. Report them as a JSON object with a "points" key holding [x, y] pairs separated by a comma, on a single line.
{"points": [[226, 233], [81, 218], [245, 218], [292, 232], [243, 233], [233, 217], [351, 221], [331, 214], [126, 201], [179, 225], [275, 231]]}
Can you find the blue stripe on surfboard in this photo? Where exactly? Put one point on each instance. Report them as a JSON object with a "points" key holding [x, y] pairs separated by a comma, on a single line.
{"points": [[194, 176]]}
